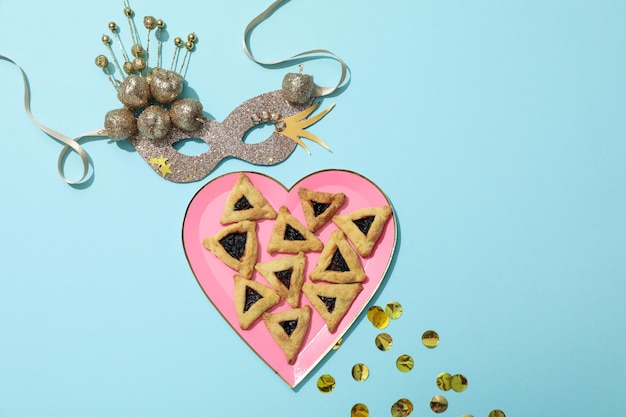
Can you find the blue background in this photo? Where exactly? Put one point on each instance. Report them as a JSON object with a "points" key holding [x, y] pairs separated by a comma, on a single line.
{"points": [[495, 127]]}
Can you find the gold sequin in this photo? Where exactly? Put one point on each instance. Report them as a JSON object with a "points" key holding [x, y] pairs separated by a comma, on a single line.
{"points": [[383, 341], [404, 363], [497, 413], [326, 383], [459, 383], [430, 339], [393, 310], [402, 408], [444, 381], [360, 372], [439, 404], [359, 410], [467, 415], [338, 344], [378, 317]]}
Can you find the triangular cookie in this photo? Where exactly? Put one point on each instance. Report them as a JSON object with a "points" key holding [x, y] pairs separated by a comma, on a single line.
{"points": [[331, 301], [290, 236], [252, 299], [288, 329], [338, 262], [245, 202], [236, 245], [364, 226], [285, 275], [319, 207]]}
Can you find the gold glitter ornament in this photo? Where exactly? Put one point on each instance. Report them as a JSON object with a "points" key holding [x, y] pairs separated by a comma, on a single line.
{"points": [[139, 64], [149, 22], [326, 383], [120, 124], [128, 67], [154, 122], [377, 317], [383, 341], [297, 88], [102, 61], [439, 404], [160, 23], [444, 381], [402, 408], [404, 363], [112, 26], [166, 85], [359, 410], [360, 372], [106, 39], [430, 339], [186, 114], [458, 383], [134, 92], [136, 50]]}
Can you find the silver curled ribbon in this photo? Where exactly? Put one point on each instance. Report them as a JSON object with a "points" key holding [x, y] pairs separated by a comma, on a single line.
{"points": [[318, 91], [70, 144]]}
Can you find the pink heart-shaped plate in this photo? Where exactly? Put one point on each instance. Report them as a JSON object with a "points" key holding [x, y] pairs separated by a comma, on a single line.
{"points": [[216, 279]]}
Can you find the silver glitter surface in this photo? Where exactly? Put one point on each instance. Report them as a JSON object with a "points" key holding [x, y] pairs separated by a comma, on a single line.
{"points": [[224, 140], [186, 114], [154, 122], [298, 88], [119, 124], [165, 85], [134, 92]]}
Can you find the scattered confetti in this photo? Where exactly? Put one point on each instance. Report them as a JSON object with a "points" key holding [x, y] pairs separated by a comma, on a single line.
{"points": [[393, 310], [430, 339], [401, 408], [383, 341], [404, 363], [458, 383], [444, 381], [378, 317], [359, 410], [497, 413], [439, 404], [326, 383], [360, 372]]}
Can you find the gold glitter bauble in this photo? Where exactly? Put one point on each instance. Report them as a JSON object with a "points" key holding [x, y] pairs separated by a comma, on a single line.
{"points": [[430, 339], [326, 383], [149, 22], [298, 88], [359, 410], [166, 85], [134, 92], [378, 317], [136, 50], [120, 124], [439, 404], [154, 122], [186, 114], [402, 408], [102, 61]]}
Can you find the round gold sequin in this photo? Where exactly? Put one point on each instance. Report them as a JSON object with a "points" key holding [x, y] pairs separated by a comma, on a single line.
{"points": [[326, 383], [359, 410], [378, 317], [401, 408], [497, 413], [360, 372], [458, 383], [393, 310], [439, 404], [444, 381], [467, 415], [430, 339], [338, 344], [404, 363], [383, 341]]}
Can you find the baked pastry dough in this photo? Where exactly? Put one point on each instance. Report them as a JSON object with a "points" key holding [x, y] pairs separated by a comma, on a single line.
{"points": [[236, 245], [338, 262], [290, 236], [288, 329], [319, 207], [331, 301], [252, 299], [285, 275], [245, 202], [364, 227]]}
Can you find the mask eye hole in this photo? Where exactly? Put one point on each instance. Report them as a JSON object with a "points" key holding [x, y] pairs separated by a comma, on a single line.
{"points": [[191, 146], [259, 133]]}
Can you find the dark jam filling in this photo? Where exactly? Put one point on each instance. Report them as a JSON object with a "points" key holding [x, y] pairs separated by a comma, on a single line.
{"points": [[284, 277], [364, 224], [329, 301], [338, 263], [292, 234], [234, 244], [242, 204], [319, 208], [289, 326], [251, 297]]}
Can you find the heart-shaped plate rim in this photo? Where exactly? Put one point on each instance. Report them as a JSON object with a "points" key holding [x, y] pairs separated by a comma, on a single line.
{"points": [[215, 278]]}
